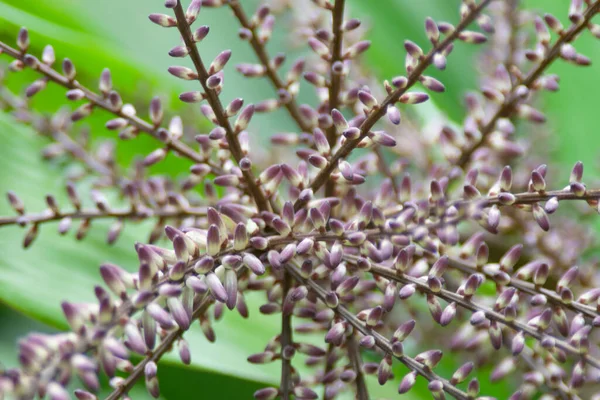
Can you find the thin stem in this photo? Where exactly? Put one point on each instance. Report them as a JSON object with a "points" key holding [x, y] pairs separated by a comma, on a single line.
{"points": [[512, 17], [286, 340], [261, 52], [213, 99], [468, 304], [392, 98], [330, 361], [133, 214], [165, 345], [362, 393], [520, 199], [335, 84], [527, 287], [380, 341], [98, 101], [511, 99]]}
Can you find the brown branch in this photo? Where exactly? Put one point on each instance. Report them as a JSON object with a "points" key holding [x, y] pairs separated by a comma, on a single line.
{"points": [[133, 214], [468, 304], [286, 340], [520, 199], [165, 345], [98, 101], [271, 73], [527, 287], [380, 341], [335, 84], [362, 392], [213, 99], [511, 99], [380, 111]]}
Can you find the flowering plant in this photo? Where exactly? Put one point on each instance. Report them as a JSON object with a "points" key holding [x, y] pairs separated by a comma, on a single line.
{"points": [[375, 221]]}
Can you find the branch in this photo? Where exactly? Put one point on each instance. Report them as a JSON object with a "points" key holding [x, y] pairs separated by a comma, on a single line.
{"points": [[335, 84], [98, 101], [271, 73], [511, 98], [76, 150], [380, 341], [380, 270], [132, 213], [380, 111], [213, 99], [286, 340], [527, 287], [165, 345], [362, 393]]}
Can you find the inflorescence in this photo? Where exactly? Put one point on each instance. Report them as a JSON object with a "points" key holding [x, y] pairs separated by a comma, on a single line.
{"points": [[349, 249]]}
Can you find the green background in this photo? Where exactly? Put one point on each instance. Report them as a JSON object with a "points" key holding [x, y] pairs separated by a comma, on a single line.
{"points": [[117, 34]]}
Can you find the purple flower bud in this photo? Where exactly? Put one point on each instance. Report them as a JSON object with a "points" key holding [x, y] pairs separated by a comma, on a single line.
{"points": [[154, 157], [244, 118], [216, 287], [448, 314], [393, 114], [357, 49], [413, 98], [336, 333], [235, 106], [192, 11], [432, 84], [352, 133], [163, 20], [541, 217], [200, 33], [83, 395], [429, 358], [253, 263], [318, 47], [367, 99], [432, 31], [105, 81], [407, 382], [412, 49], [183, 73], [472, 37], [23, 39], [266, 394], [219, 62], [384, 371]]}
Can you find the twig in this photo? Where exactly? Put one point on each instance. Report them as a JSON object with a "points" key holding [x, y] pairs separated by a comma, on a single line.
{"points": [[133, 214], [213, 99], [380, 111], [286, 340], [156, 355], [271, 73], [468, 304], [97, 100], [335, 84], [380, 341], [511, 99], [362, 393]]}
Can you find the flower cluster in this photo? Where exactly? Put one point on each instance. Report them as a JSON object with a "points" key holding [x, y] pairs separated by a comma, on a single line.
{"points": [[348, 249]]}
